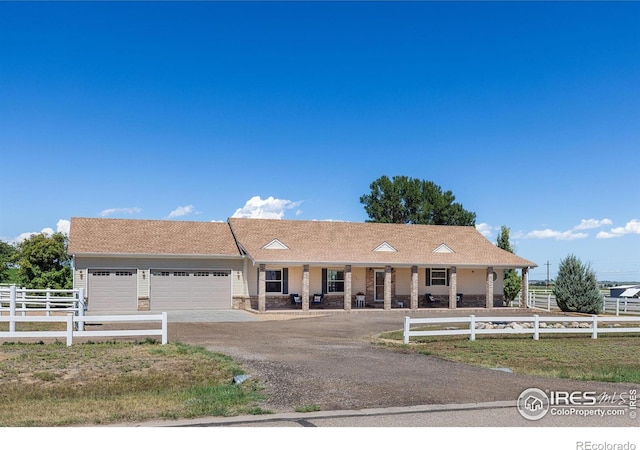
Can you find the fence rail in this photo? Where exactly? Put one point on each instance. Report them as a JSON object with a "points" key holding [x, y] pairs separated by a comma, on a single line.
{"points": [[612, 305], [72, 332], [535, 325]]}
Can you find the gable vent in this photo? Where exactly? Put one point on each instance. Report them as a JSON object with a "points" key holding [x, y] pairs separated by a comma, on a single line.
{"points": [[443, 248], [275, 245], [385, 247]]}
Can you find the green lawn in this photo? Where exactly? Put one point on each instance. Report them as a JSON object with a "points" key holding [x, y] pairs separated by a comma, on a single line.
{"points": [[608, 358]]}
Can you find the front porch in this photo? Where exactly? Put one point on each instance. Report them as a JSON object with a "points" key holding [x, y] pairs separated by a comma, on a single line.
{"points": [[385, 287]]}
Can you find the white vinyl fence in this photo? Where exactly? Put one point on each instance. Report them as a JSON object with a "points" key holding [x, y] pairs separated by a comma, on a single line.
{"points": [[612, 305], [534, 325], [67, 306]]}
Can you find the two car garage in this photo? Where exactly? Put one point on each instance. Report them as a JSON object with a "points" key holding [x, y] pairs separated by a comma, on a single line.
{"points": [[169, 290]]}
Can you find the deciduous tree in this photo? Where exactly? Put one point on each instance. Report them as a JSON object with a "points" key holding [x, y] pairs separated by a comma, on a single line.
{"points": [[43, 262], [413, 201]]}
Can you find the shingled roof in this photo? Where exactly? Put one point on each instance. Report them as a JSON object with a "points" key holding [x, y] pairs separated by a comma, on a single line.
{"points": [[309, 242], [150, 237]]}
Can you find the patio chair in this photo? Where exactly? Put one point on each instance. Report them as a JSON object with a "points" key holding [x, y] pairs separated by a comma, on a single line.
{"points": [[317, 299], [431, 299], [296, 299]]}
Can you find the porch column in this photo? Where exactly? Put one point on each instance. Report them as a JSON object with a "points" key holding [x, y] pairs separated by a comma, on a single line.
{"points": [[414, 287], [347, 288], [525, 287], [387, 287], [262, 289], [305, 287], [489, 289], [453, 288]]}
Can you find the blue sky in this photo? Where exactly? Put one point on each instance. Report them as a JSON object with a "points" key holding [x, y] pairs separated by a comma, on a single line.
{"points": [[528, 112]]}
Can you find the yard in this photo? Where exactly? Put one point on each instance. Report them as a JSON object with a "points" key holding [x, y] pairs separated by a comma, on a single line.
{"points": [[101, 383], [608, 358]]}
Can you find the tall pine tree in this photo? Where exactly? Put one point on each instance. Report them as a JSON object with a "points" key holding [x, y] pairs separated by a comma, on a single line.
{"points": [[576, 287]]}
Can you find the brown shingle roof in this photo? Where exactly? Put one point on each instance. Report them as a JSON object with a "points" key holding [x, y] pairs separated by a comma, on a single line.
{"points": [[150, 237], [354, 243]]}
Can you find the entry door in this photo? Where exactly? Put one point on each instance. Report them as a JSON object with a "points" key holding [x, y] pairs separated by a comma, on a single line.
{"points": [[379, 286]]}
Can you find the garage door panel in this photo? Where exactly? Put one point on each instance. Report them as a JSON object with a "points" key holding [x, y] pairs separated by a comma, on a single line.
{"points": [[112, 290], [190, 289]]}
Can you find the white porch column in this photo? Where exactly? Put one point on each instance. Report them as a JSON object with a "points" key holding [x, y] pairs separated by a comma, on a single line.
{"points": [[489, 288], [453, 288], [305, 287], [347, 288], [387, 287], [262, 289], [414, 287], [525, 287]]}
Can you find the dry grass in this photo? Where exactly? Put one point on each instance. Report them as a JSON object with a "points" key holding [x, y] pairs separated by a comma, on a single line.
{"points": [[99, 383]]}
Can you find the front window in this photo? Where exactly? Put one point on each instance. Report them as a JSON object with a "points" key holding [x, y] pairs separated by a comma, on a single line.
{"points": [[438, 277], [273, 281], [335, 280]]}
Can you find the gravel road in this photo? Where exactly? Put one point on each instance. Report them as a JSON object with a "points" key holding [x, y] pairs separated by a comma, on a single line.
{"points": [[332, 362]]}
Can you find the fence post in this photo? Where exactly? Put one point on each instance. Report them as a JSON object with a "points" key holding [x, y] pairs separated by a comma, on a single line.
{"points": [[48, 308], [536, 327], [81, 309], [405, 333], [549, 302], [12, 308], [472, 326], [69, 329], [24, 299], [594, 327], [617, 306], [164, 328]]}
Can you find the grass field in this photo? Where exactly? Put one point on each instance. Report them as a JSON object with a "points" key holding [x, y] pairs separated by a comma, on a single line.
{"points": [[101, 383], [608, 358]]}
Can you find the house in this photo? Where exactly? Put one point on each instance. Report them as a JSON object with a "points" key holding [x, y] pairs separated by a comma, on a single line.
{"points": [[257, 264]]}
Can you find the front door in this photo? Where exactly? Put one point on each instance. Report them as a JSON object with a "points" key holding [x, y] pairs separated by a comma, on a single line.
{"points": [[378, 290]]}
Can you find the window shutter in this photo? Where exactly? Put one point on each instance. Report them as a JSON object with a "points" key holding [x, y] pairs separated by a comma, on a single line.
{"points": [[285, 281], [428, 275], [448, 275], [324, 281], [258, 281]]}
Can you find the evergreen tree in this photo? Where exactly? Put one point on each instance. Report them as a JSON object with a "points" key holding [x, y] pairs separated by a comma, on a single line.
{"points": [[576, 287], [511, 283]]}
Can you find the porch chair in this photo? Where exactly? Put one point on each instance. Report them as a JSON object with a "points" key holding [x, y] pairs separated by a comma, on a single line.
{"points": [[295, 299], [317, 298], [431, 299]]}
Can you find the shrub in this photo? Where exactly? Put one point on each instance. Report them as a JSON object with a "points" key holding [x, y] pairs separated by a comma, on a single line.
{"points": [[576, 287]]}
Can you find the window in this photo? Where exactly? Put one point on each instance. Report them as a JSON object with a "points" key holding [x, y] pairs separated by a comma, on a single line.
{"points": [[220, 274], [160, 274], [273, 280], [335, 280], [438, 277], [100, 274], [124, 274], [201, 274], [180, 274]]}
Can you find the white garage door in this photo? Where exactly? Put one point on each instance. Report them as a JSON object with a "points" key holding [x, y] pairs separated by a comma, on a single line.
{"points": [[112, 290], [172, 290]]}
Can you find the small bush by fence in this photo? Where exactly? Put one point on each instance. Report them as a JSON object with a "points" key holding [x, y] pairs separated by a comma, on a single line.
{"points": [[534, 325]]}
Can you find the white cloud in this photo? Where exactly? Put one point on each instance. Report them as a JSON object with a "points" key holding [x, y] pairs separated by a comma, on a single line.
{"points": [[111, 211], [62, 226], [548, 233], [269, 208], [631, 227], [587, 224], [485, 229], [181, 211]]}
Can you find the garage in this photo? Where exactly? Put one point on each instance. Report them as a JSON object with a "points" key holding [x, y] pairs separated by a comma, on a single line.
{"points": [[190, 289], [112, 290]]}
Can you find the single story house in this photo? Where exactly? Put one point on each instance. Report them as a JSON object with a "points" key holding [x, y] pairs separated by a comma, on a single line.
{"points": [[262, 264]]}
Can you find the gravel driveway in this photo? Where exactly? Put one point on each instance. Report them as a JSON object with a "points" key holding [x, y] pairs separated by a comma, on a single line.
{"points": [[331, 362]]}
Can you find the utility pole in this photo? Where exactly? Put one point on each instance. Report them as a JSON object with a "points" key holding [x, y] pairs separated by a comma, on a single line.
{"points": [[548, 264]]}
